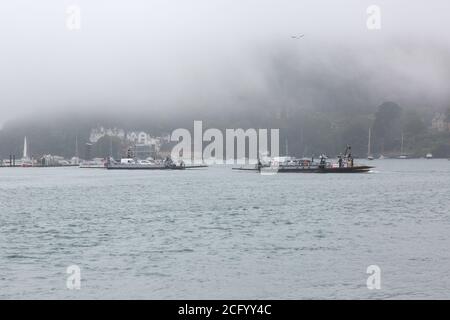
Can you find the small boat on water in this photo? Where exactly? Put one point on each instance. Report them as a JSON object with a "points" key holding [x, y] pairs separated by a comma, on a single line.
{"points": [[345, 164], [429, 156]]}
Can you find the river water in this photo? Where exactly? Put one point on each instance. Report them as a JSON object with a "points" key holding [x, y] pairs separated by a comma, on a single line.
{"points": [[220, 234]]}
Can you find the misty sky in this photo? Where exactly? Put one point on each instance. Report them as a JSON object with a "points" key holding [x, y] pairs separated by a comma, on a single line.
{"points": [[167, 55]]}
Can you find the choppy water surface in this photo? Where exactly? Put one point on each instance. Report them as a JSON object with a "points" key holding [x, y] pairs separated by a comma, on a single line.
{"points": [[218, 233]]}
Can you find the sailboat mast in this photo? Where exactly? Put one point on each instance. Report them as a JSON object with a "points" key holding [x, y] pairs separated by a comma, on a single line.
{"points": [[401, 150], [110, 147], [287, 147], [76, 146], [369, 152], [25, 148]]}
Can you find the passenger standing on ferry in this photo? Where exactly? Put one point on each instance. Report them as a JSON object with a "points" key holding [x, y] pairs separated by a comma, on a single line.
{"points": [[350, 160], [350, 157], [322, 161]]}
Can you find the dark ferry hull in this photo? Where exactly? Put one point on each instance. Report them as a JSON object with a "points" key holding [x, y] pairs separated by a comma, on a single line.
{"points": [[137, 167], [144, 167], [358, 169]]}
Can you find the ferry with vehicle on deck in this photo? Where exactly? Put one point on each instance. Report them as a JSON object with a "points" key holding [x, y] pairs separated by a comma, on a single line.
{"points": [[344, 164]]}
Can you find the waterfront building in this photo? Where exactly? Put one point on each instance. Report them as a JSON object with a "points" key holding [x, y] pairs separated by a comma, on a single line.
{"points": [[440, 123]]}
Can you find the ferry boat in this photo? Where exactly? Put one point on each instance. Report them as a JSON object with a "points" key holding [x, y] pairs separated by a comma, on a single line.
{"points": [[345, 164], [299, 166], [131, 162], [149, 164], [135, 164]]}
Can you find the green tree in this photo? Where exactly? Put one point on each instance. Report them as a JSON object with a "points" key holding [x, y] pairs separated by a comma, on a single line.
{"points": [[413, 125]]}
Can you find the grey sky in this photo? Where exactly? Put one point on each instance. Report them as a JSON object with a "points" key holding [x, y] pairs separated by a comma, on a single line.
{"points": [[167, 54]]}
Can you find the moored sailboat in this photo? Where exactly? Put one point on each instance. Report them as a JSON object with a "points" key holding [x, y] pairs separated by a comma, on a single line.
{"points": [[402, 154], [369, 151]]}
